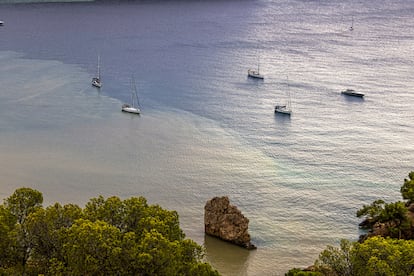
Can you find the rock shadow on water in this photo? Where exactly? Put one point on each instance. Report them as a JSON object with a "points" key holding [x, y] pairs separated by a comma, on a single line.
{"points": [[227, 257]]}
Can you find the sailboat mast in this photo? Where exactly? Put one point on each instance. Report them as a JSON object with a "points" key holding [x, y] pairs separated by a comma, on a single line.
{"points": [[134, 94], [99, 67], [352, 24], [288, 90]]}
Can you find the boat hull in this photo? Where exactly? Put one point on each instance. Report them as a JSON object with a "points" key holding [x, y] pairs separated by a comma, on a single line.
{"points": [[131, 110], [254, 74], [96, 82], [282, 110], [352, 93]]}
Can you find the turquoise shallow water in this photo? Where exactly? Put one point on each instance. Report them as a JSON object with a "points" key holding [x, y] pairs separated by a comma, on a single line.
{"points": [[206, 129]]}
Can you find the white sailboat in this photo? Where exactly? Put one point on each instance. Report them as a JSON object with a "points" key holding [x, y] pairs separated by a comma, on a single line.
{"points": [[96, 81], [285, 108], [255, 73], [134, 106]]}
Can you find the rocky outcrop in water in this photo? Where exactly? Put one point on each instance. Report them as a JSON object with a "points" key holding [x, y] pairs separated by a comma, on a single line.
{"points": [[226, 222], [392, 228]]}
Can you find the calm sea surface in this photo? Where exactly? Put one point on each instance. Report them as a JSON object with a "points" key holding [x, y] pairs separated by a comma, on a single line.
{"points": [[206, 129]]}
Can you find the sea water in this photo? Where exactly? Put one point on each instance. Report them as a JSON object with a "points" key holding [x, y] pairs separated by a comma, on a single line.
{"points": [[206, 129]]}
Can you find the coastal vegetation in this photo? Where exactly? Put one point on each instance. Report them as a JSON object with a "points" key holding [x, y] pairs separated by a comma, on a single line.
{"points": [[108, 237], [130, 237], [386, 249]]}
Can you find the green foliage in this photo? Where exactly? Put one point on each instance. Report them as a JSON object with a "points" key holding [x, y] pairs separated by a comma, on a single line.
{"points": [[24, 201], [20, 205], [108, 237], [135, 215], [91, 248], [395, 211], [383, 256], [376, 256], [110, 211], [165, 222], [45, 227], [336, 261], [372, 212], [395, 217], [201, 269], [300, 272], [407, 190], [135, 211], [8, 241], [393, 214]]}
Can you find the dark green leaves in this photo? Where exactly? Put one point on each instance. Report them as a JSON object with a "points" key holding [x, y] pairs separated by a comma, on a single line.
{"points": [[108, 237]]}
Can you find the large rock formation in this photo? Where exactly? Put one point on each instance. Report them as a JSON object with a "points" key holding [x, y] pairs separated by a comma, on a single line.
{"points": [[226, 222]]}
